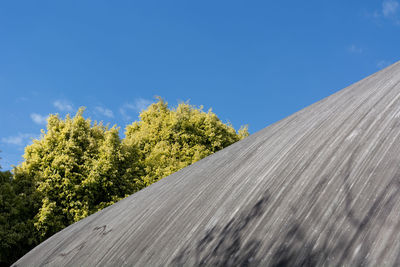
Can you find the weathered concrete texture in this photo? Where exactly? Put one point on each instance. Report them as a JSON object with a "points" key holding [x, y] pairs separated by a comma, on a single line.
{"points": [[321, 187]]}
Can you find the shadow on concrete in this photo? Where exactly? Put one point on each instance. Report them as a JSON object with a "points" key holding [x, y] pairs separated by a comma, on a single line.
{"points": [[224, 246], [347, 237]]}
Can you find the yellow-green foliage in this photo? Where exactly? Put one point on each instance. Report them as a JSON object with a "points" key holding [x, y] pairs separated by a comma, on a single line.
{"points": [[78, 167], [171, 139]]}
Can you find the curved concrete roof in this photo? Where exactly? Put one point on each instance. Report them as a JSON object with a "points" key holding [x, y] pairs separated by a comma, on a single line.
{"points": [[321, 187]]}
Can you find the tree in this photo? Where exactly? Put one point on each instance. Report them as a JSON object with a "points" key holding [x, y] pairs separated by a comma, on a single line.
{"points": [[168, 140], [77, 167], [17, 210]]}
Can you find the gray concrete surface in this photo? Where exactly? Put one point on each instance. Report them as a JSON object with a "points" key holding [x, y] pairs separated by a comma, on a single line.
{"points": [[318, 188]]}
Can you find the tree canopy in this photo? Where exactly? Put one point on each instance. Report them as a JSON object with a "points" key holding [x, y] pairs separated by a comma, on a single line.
{"points": [[17, 209], [169, 139], [79, 166]]}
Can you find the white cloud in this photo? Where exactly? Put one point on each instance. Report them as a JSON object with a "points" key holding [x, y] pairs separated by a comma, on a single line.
{"points": [[388, 11], [21, 99], [18, 140], [63, 105], [389, 8], [105, 112], [375, 15], [12, 140], [355, 49], [138, 105], [38, 119], [124, 113], [383, 64], [141, 104]]}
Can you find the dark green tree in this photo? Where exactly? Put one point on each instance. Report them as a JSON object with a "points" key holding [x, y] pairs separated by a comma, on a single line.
{"points": [[17, 210]]}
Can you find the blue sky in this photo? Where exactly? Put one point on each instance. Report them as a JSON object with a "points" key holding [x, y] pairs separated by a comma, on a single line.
{"points": [[252, 62]]}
